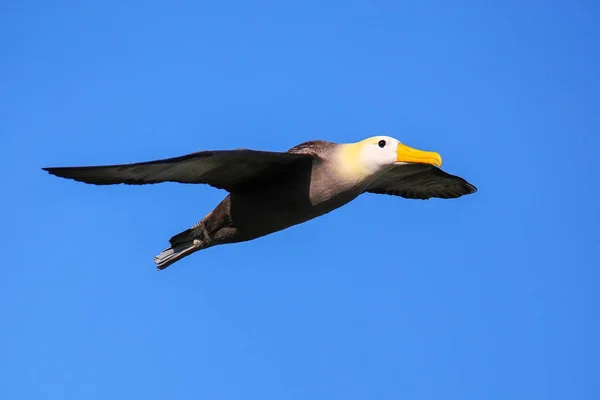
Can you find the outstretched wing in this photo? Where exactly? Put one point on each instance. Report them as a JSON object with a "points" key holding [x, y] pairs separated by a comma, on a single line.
{"points": [[223, 169], [420, 181]]}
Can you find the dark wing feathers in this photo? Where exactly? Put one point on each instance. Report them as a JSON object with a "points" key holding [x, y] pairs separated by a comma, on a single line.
{"points": [[420, 181], [223, 169]]}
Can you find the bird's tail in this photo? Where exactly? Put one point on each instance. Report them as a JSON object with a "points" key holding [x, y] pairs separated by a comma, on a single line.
{"points": [[182, 245]]}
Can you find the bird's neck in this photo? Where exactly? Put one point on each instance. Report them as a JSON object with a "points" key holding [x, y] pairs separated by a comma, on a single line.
{"points": [[348, 166]]}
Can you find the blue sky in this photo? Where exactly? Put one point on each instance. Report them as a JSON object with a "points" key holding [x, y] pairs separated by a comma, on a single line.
{"points": [[491, 296]]}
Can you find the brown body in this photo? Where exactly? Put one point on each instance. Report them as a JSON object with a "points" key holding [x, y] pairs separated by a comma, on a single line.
{"points": [[309, 192]]}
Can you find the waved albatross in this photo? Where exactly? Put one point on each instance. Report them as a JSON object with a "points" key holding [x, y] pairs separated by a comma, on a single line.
{"points": [[271, 191]]}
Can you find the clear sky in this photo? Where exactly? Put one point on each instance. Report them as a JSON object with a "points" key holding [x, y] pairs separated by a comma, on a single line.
{"points": [[490, 296]]}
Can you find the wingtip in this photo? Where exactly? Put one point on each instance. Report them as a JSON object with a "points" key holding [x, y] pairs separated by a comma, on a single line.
{"points": [[52, 171], [49, 170]]}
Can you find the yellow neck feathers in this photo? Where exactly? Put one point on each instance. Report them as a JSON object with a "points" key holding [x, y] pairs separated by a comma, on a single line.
{"points": [[348, 163]]}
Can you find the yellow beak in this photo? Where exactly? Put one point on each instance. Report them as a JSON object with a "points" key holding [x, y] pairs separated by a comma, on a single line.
{"points": [[410, 155]]}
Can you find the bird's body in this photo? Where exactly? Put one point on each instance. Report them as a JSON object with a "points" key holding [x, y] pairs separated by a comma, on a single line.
{"points": [[306, 192], [270, 191]]}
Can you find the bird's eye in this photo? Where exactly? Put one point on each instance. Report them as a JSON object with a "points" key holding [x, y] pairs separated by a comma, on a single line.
{"points": [[382, 143]]}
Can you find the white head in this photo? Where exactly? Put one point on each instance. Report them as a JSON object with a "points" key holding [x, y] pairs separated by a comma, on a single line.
{"points": [[378, 154]]}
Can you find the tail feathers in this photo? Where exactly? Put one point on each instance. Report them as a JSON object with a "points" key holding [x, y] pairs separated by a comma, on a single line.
{"points": [[176, 253]]}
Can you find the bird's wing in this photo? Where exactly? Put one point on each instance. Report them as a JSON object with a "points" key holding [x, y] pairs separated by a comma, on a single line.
{"points": [[223, 169], [420, 181]]}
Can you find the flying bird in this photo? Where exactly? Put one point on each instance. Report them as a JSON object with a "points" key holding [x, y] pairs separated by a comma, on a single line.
{"points": [[271, 191]]}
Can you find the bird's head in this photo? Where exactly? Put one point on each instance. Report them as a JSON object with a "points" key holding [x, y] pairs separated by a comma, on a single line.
{"points": [[377, 154]]}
